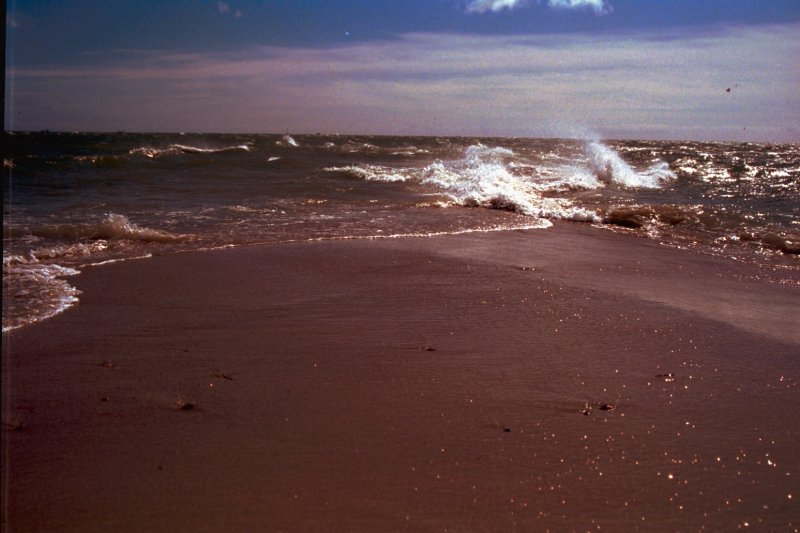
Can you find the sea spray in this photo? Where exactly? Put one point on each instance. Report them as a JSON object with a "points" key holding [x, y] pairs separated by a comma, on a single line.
{"points": [[609, 167], [287, 140], [485, 177]]}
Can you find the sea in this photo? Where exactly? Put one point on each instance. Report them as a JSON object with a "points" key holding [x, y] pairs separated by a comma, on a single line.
{"points": [[74, 200]]}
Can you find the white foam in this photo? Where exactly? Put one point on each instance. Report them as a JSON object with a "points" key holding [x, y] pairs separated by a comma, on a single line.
{"points": [[484, 178], [287, 140], [116, 226], [173, 149], [566, 178], [201, 150], [44, 292], [372, 172], [609, 167]]}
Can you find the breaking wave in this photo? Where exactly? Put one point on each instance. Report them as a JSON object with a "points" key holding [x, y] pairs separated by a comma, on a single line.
{"points": [[40, 286], [485, 177], [113, 226], [287, 140], [499, 178], [609, 167], [175, 149], [36, 277], [372, 172]]}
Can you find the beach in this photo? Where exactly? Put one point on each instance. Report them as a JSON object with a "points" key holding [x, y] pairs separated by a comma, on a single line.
{"points": [[572, 378]]}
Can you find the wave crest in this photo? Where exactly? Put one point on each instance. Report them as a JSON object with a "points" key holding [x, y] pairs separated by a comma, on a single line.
{"points": [[119, 227], [484, 177], [114, 226], [176, 149], [287, 140], [372, 172], [609, 167]]}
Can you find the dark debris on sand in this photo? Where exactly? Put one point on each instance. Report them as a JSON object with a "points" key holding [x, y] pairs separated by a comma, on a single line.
{"points": [[588, 407]]}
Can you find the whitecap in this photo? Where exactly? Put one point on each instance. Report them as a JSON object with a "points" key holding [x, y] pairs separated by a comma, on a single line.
{"points": [[609, 167], [484, 177], [116, 226], [287, 140], [372, 172]]}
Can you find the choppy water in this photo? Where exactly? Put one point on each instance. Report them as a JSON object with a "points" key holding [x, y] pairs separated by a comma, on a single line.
{"points": [[72, 200]]}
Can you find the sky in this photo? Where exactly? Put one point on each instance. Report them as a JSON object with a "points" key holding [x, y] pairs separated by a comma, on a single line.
{"points": [[726, 70]]}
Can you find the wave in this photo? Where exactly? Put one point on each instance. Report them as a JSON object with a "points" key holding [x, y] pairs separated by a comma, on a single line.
{"points": [[199, 150], [642, 215], [785, 242], [34, 279], [484, 177], [175, 149], [359, 148], [410, 150], [609, 167], [42, 289], [113, 227], [499, 178], [287, 140], [366, 148], [372, 172]]}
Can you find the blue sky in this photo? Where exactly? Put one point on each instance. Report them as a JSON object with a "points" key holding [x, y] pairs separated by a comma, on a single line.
{"points": [[615, 68]]}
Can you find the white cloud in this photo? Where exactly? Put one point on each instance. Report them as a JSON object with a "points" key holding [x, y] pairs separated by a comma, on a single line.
{"points": [[482, 6], [599, 6]]}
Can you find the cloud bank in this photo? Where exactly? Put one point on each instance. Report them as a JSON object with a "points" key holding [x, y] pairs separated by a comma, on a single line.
{"points": [[626, 86], [483, 6]]}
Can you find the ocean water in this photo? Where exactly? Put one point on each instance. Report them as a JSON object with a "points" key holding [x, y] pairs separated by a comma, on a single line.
{"points": [[78, 199]]}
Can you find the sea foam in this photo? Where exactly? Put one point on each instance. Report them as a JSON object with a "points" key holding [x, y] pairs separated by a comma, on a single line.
{"points": [[153, 152], [287, 140], [485, 177], [40, 286], [609, 167], [373, 172], [113, 227]]}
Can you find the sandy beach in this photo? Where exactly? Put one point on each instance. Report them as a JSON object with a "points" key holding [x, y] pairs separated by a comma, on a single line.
{"points": [[562, 379]]}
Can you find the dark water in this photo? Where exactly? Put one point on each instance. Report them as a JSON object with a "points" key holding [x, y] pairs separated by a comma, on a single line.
{"points": [[72, 200]]}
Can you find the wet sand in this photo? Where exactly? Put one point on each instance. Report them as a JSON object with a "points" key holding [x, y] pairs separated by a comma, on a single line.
{"points": [[567, 379]]}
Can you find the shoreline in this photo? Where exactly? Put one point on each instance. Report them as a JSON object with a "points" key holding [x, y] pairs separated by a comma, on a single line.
{"points": [[409, 384]]}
